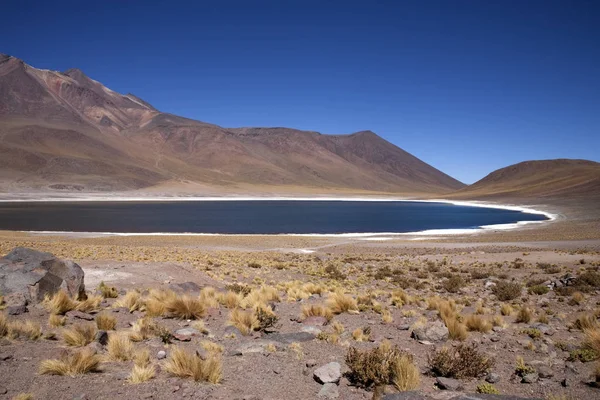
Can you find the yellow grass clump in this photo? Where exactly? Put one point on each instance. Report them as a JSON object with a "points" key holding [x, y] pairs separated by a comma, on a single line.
{"points": [[244, 321], [55, 320], [108, 292], [23, 396], [79, 335], [119, 347], [208, 297], [77, 363], [506, 309], [339, 303], [106, 322], [185, 307], [212, 347], [478, 323], [132, 301], [456, 329], [141, 374], [524, 315], [24, 329], [4, 324], [90, 304], [361, 334], [405, 374], [230, 299], [592, 339], [190, 365], [317, 310], [59, 303]]}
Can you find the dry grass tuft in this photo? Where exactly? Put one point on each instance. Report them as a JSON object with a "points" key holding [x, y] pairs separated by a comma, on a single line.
{"points": [[79, 335], [585, 322], [59, 303], [456, 330], [108, 292], [461, 362], [339, 303], [23, 396], [4, 324], [524, 315], [245, 321], [506, 309], [24, 329], [187, 365], [478, 323], [362, 334], [119, 347], [184, 307], [317, 310], [77, 363], [381, 366], [92, 303], [132, 301], [55, 320], [106, 322], [141, 374], [212, 347], [592, 340]]}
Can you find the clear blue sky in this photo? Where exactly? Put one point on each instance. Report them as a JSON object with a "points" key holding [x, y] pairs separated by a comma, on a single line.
{"points": [[467, 86]]}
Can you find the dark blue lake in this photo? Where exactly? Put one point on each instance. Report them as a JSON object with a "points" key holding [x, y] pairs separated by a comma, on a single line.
{"points": [[251, 217]]}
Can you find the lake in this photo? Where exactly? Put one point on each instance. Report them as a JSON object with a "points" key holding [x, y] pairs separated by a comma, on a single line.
{"points": [[251, 217]]}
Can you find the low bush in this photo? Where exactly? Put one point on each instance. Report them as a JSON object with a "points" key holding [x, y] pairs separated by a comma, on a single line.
{"points": [[464, 361], [506, 291]]}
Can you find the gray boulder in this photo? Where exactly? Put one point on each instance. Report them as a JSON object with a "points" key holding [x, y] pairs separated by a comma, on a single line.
{"points": [[34, 274], [328, 373], [449, 384], [431, 332]]}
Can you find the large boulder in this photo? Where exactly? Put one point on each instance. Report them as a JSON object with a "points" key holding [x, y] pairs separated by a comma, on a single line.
{"points": [[431, 332], [31, 274]]}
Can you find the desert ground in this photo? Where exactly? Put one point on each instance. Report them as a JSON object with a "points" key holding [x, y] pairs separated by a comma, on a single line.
{"points": [[254, 317]]}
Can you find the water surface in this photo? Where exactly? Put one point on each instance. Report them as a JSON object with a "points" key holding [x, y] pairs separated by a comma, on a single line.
{"points": [[252, 217]]}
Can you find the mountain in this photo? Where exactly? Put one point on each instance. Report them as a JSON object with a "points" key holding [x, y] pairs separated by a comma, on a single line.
{"points": [[65, 131], [561, 178]]}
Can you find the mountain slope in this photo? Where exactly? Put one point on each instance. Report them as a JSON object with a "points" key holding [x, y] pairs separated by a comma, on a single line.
{"points": [[65, 131], [541, 179]]}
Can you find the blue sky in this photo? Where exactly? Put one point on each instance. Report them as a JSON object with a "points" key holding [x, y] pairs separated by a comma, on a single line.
{"points": [[467, 86]]}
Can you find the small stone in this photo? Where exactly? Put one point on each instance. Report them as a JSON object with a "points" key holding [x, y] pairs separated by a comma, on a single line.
{"points": [[311, 363], [328, 373], [494, 339], [80, 315], [530, 378], [186, 334], [5, 356], [403, 327], [329, 391], [161, 355], [448, 384], [313, 330], [492, 378], [3, 390], [16, 310], [545, 372], [101, 337], [289, 338], [566, 382]]}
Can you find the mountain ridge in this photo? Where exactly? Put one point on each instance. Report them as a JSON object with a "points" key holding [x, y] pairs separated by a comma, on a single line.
{"points": [[76, 131]]}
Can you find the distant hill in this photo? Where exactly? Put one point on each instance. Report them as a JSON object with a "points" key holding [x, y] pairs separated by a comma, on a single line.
{"points": [[67, 132], [561, 178]]}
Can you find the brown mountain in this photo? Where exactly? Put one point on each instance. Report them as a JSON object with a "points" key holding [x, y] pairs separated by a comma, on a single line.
{"points": [[65, 131], [562, 178]]}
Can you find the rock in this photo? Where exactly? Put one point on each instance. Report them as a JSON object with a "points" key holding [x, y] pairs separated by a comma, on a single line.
{"points": [[313, 330], [403, 327], [95, 346], [5, 356], [311, 363], [405, 396], [489, 284], [328, 373], [545, 329], [35, 274], [185, 287], [530, 378], [232, 330], [255, 346], [3, 390], [431, 332], [329, 391], [289, 338], [448, 384], [186, 334], [545, 372], [161, 355], [492, 378], [315, 321], [566, 382], [16, 310], [79, 315], [101, 337]]}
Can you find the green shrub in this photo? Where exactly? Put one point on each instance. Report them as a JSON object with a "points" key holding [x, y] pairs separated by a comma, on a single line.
{"points": [[538, 289], [506, 291], [487, 388]]}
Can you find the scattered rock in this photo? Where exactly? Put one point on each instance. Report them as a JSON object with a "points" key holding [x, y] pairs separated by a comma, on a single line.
{"points": [[3, 390], [34, 274], [101, 337], [161, 355], [16, 310], [328, 373], [315, 321], [530, 378], [232, 330], [448, 384], [185, 287], [329, 391], [492, 378], [311, 363], [313, 330], [405, 396], [545, 372], [289, 338], [79, 315], [431, 332], [186, 334], [255, 346]]}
